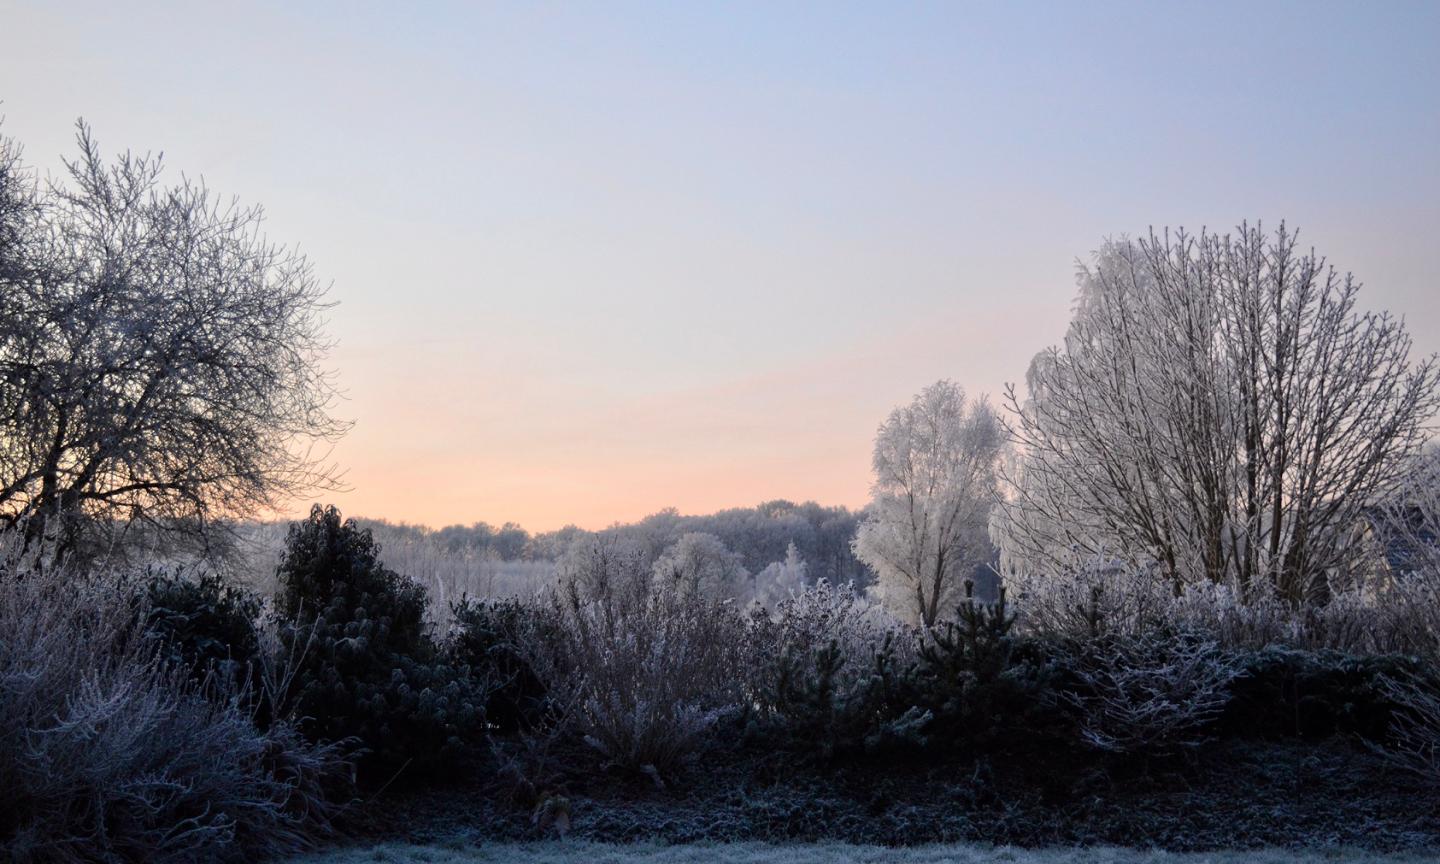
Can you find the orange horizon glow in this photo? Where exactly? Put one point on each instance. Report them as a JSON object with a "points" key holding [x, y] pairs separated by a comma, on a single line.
{"points": [[593, 261], [801, 433]]}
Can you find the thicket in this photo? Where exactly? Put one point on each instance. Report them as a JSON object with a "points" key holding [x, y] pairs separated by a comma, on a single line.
{"points": [[369, 669], [206, 625], [647, 676], [493, 636], [129, 706], [827, 675], [824, 673], [643, 667], [115, 747]]}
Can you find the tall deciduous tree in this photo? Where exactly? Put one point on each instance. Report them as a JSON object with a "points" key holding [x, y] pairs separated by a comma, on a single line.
{"points": [[1220, 409], [17, 206], [935, 474], [159, 358]]}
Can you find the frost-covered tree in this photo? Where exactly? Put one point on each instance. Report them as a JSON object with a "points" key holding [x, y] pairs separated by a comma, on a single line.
{"points": [[760, 535], [17, 205], [701, 565], [603, 569], [159, 358], [1219, 409], [935, 474], [779, 580]]}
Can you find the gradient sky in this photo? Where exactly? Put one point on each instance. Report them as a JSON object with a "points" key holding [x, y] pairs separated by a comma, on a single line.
{"points": [[594, 260]]}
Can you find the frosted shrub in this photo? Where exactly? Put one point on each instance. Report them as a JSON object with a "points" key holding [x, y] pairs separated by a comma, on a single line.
{"points": [[1402, 618], [655, 683], [1149, 693], [826, 664], [646, 670], [1091, 595], [1408, 617], [778, 580], [607, 570], [1345, 623], [1095, 595], [823, 613], [107, 753], [1413, 742], [1222, 612]]}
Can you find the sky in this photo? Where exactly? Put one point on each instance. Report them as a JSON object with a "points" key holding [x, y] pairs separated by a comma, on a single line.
{"points": [[594, 260]]}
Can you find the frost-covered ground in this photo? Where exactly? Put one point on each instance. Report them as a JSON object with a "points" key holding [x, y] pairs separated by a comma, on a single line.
{"points": [[819, 853]]}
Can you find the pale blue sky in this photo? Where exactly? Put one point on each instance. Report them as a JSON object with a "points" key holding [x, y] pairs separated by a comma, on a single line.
{"points": [[597, 259]]}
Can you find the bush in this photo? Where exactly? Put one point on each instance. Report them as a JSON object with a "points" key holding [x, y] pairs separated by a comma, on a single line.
{"points": [[206, 625], [1094, 595], [1413, 740], [1150, 693], [984, 685], [369, 669], [490, 638], [1314, 694], [825, 671], [1090, 595], [645, 670], [650, 692], [109, 753]]}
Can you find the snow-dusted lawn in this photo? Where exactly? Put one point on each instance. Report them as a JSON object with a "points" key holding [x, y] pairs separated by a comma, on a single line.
{"points": [[821, 853]]}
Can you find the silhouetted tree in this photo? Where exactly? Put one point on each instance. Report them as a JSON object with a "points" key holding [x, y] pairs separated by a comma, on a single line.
{"points": [[159, 358]]}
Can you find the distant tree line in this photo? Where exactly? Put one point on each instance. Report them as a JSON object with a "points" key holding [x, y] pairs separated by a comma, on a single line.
{"points": [[759, 535], [509, 542]]}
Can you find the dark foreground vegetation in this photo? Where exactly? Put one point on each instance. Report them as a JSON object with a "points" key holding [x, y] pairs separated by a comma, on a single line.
{"points": [[1245, 795], [156, 718]]}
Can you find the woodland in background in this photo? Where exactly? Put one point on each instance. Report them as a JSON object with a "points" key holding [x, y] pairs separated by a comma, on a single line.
{"points": [[766, 545]]}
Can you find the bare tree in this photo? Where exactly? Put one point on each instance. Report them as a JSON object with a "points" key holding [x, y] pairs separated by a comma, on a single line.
{"points": [[925, 530], [17, 211], [159, 358], [1219, 408]]}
